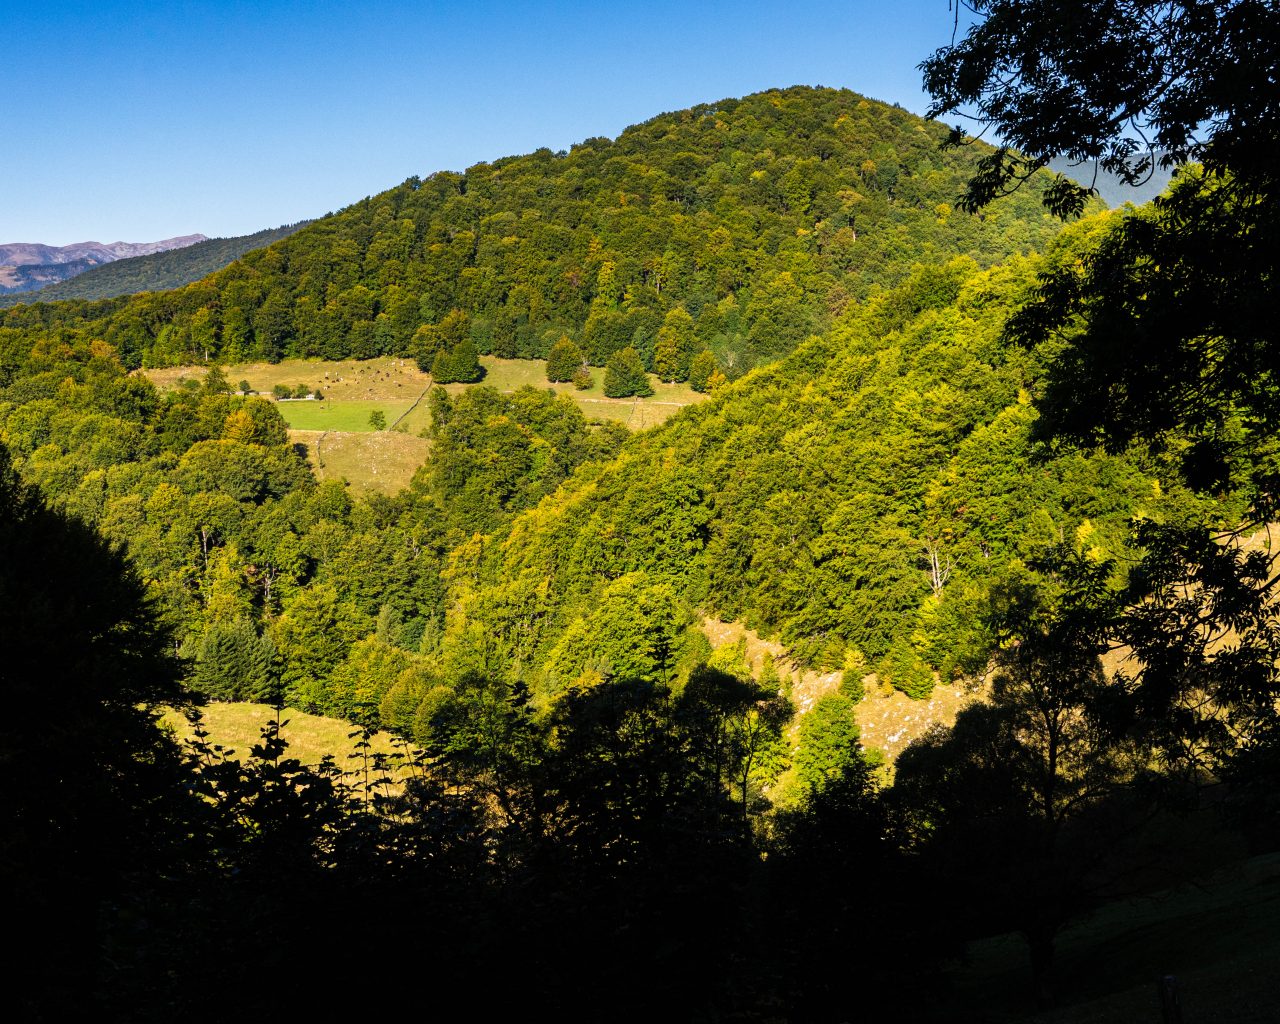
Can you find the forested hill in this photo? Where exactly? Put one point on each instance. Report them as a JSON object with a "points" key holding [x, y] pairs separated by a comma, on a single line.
{"points": [[155, 271], [761, 218], [858, 500]]}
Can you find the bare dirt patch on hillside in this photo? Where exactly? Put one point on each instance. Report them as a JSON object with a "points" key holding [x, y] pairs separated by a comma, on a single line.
{"points": [[889, 719]]}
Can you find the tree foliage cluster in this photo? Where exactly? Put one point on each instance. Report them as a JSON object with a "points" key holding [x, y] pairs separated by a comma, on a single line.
{"points": [[269, 582], [568, 843], [750, 222], [588, 795], [858, 500]]}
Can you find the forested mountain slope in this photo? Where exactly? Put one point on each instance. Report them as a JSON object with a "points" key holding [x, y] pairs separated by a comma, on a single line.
{"points": [[155, 271], [760, 218], [856, 500]]}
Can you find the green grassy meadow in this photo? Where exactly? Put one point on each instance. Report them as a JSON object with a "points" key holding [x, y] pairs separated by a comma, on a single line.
{"points": [[342, 445], [352, 417], [352, 389]]}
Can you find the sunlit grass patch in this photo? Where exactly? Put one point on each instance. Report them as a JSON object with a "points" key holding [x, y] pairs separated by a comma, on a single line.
{"points": [[383, 460]]}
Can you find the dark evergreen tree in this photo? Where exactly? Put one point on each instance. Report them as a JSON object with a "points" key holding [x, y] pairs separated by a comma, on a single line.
{"points": [[235, 663], [564, 360], [625, 376]]}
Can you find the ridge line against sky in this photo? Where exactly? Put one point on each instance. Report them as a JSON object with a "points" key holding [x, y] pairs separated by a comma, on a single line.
{"points": [[138, 122]]}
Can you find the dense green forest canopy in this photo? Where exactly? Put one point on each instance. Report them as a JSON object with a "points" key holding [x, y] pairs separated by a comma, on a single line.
{"points": [[759, 218], [857, 500], [157, 272]]}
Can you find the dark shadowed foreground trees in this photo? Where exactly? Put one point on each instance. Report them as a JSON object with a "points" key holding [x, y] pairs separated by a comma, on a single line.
{"points": [[1044, 801], [90, 788], [591, 859], [1058, 792]]}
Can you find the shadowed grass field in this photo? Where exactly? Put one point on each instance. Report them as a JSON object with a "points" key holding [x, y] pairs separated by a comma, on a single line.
{"points": [[310, 737], [1221, 941]]}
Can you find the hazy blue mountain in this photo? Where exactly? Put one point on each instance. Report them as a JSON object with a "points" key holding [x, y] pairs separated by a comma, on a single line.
{"points": [[27, 266], [1111, 189], [153, 271]]}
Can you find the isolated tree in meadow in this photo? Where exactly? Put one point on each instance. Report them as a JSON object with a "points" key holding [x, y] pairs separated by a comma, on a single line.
{"points": [[215, 381], [564, 360], [701, 370], [378, 420], [624, 375], [458, 365], [673, 350]]}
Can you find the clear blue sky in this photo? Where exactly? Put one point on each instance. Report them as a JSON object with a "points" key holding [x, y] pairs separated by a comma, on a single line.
{"points": [[139, 121]]}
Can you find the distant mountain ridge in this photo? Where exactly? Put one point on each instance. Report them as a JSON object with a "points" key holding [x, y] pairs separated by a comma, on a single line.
{"points": [[1112, 190], [154, 271], [26, 266], [20, 254]]}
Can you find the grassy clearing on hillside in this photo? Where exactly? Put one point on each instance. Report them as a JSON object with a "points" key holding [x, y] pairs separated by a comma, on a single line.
{"points": [[392, 385], [351, 417], [1220, 940], [346, 380], [341, 444], [383, 460], [310, 737]]}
